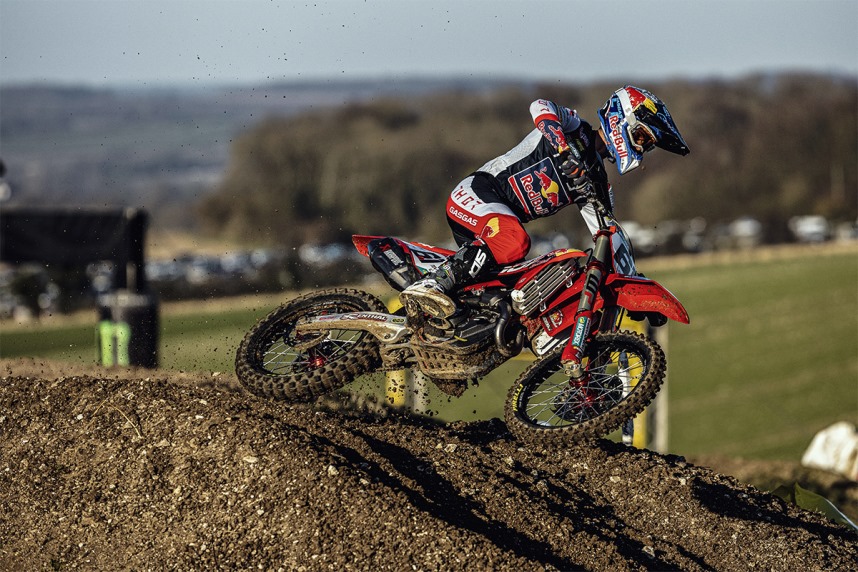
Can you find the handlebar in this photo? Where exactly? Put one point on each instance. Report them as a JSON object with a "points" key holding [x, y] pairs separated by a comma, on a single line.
{"points": [[588, 190]]}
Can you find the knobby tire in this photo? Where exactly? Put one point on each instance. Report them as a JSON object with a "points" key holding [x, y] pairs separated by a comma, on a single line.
{"points": [[268, 365], [541, 408]]}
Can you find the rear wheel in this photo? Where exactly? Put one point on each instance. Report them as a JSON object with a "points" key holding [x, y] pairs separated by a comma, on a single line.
{"points": [[624, 373], [275, 361]]}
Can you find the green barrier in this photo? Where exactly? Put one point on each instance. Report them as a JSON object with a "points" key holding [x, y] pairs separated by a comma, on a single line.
{"points": [[127, 330], [115, 339]]}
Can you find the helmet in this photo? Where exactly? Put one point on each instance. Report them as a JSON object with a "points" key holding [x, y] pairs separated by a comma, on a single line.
{"points": [[634, 121]]}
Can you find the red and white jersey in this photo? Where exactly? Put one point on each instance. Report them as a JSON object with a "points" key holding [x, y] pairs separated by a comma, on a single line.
{"points": [[528, 179]]}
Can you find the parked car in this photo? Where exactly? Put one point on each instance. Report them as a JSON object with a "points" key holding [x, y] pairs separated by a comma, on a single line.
{"points": [[644, 239], [745, 232], [810, 228]]}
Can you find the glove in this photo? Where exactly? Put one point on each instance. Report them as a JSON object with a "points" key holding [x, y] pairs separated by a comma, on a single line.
{"points": [[572, 167], [581, 186]]}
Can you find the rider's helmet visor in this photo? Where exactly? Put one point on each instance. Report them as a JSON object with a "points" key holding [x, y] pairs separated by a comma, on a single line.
{"points": [[643, 138]]}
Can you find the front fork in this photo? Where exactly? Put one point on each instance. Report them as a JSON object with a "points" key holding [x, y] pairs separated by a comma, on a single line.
{"points": [[596, 268]]}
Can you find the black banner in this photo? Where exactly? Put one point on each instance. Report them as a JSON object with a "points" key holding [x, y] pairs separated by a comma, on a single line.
{"points": [[70, 236], [75, 237]]}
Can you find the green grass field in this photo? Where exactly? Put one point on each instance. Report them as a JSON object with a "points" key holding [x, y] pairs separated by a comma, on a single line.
{"points": [[769, 359]]}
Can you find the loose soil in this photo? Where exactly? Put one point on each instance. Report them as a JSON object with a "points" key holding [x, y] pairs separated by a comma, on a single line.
{"points": [[161, 470]]}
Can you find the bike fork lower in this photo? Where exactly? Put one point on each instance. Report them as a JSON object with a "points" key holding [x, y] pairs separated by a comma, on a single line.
{"points": [[574, 351]]}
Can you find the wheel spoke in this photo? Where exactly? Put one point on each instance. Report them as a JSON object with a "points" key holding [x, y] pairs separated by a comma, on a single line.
{"points": [[613, 373], [276, 360], [280, 357]]}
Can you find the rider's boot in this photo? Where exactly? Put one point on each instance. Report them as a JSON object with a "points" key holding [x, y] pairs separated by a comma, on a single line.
{"points": [[432, 294]]}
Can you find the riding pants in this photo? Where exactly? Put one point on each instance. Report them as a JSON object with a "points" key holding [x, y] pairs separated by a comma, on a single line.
{"points": [[475, 212]]}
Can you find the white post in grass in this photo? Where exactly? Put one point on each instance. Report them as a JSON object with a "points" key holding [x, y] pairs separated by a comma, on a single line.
{"points": [[658, 437]]}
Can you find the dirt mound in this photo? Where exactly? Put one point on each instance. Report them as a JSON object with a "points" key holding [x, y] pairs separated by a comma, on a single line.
{"points": [[154, 470]]}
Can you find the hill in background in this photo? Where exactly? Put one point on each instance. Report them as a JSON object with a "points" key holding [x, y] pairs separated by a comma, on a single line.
{"points": [[295, 163], [161, 149]]}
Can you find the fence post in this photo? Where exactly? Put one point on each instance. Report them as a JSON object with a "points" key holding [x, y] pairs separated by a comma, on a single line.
{"points": [[649, 430], [657, 411], [406, 388]]}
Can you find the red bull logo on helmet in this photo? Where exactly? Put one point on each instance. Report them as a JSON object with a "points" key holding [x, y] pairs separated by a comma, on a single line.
{"points": [[539, 189], [617, 138], [636, 98], [615, 120]]}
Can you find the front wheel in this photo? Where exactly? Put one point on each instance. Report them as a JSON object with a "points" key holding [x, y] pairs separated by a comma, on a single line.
{"points": [[624, 373], [275, 361]]}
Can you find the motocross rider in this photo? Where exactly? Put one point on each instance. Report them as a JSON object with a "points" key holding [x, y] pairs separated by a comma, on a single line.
{"points": [[548, 170]]}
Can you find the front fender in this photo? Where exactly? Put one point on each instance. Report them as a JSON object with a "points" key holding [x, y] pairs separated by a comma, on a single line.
{"points": [[644, 295]]}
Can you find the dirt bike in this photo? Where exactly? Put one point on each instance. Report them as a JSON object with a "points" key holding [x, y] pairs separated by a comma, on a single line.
{"points": [[588, 378]]}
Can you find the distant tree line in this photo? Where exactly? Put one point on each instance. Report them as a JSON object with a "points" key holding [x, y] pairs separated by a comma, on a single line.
{"points": [[770, 147]]}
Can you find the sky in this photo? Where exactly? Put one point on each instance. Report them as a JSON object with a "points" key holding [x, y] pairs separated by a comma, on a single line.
{"points": [[137, 43]]}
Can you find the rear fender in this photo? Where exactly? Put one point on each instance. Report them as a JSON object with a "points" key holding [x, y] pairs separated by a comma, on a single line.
{"points": [[644, 295], [423, 255], [361, 242]]}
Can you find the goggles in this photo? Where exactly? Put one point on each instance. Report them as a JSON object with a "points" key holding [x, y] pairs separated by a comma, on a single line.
{"points": [[642, 137]]}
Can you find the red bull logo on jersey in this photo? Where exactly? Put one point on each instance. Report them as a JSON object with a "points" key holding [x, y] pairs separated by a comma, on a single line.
{"points": [[553, 132], [550, 189], [538, 189]]}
